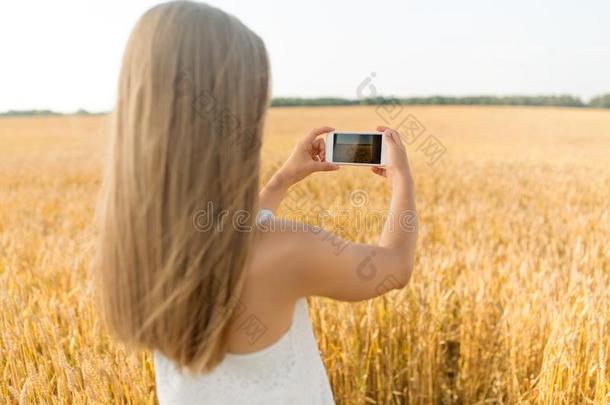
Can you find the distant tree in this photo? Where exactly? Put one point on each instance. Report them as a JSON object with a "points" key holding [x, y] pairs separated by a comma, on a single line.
{"points": [[18, 113], [600, 101]]}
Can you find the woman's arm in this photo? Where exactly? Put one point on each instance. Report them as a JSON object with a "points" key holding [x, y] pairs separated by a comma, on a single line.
{"points": [[315, 262], [307, 157], [402, 212]]}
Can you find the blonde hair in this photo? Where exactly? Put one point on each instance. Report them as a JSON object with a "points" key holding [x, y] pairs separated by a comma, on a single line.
{"points": [[186, 135]]}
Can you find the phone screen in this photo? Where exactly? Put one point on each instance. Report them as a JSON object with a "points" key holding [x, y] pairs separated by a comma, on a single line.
{"points": [[357, 148]]}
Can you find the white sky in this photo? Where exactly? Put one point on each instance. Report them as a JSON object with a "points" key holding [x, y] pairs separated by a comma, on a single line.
{"points": [[65, 55]]}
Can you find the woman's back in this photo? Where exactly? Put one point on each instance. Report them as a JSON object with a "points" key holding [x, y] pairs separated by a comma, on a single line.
{"points": [[272, 356], [288, 371]]}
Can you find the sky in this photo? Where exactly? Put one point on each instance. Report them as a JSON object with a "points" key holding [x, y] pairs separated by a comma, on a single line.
{"points": [[65, 55]]}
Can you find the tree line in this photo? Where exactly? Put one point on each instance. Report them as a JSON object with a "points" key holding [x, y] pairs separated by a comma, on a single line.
{"points": [[20, 113], [602, 101], [549, 101]]}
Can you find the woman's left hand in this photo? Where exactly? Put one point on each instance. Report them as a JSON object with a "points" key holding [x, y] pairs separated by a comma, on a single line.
{"points": [[308, 156]]}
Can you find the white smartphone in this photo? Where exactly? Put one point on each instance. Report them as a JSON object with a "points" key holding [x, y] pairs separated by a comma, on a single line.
{"points": [[356, 148]]}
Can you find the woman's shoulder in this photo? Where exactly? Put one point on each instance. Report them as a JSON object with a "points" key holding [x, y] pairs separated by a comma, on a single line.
{"points": [[279, 250], [276, 243], [291, 256]]}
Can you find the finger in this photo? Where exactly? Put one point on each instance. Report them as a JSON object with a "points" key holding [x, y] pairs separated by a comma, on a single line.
{"points": [[317, 132], [393, 134], [388, 134], [319, 148], [398, 139], [379, 171], [324, 167]]}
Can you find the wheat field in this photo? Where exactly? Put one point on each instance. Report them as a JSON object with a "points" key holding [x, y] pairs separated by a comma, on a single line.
{"points": [[509, 301]]}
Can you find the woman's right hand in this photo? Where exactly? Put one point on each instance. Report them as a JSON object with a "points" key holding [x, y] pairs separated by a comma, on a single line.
{"points": [[397, 164]]}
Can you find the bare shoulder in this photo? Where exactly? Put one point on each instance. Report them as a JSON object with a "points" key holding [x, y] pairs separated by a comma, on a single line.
{"points": [[286, 253], [288, 256], [279, 245]]}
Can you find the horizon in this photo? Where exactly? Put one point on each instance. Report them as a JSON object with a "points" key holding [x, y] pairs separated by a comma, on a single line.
{"points": [[282, 102]]}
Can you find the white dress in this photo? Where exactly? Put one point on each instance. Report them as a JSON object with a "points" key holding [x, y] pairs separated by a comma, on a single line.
{"points": [[289, 371]]}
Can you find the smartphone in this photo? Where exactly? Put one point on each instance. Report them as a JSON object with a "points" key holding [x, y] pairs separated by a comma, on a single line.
{"points": [[355, 148]]}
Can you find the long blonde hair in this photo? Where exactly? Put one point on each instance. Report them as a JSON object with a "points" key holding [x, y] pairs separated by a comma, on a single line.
{"points": [[186, 137]]}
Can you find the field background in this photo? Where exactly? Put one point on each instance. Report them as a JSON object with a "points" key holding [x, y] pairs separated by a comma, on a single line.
{"points": [[509, 302]]}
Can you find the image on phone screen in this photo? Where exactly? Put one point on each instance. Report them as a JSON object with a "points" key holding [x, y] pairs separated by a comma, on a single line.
{"points": [[357, 148]]}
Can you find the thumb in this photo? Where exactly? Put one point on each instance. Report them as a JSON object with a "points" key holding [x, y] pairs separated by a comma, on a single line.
{"points": [[324, 167]]}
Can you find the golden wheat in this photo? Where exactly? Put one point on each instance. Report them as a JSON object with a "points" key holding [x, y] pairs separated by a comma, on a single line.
{"points": [[509, 303]]}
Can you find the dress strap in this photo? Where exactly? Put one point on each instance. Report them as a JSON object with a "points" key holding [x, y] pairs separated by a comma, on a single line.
{"points": [[263, 216]]}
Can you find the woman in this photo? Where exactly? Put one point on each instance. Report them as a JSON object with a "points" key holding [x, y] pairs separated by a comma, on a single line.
{"points": [[182, 267]]}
